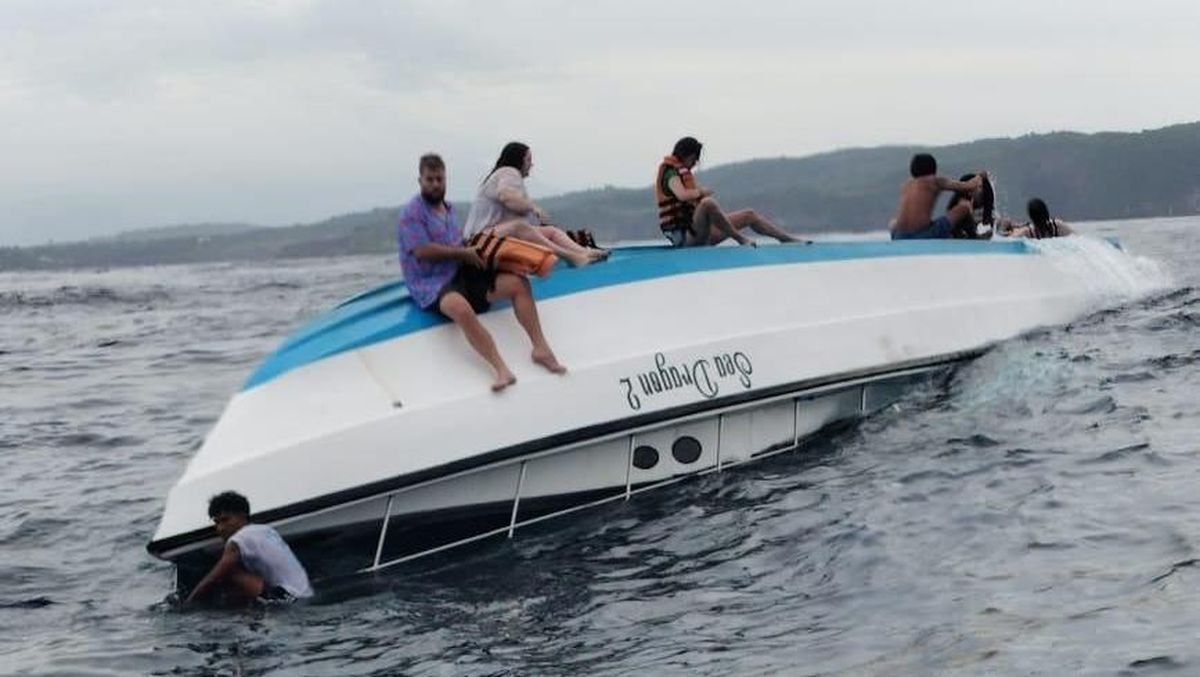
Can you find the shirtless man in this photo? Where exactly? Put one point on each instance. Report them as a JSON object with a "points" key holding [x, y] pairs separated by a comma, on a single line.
{"points": [[914, 217]]}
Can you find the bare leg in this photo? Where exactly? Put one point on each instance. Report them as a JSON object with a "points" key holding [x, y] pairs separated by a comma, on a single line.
{"points": [[711, 226], [516, 288], [522, 230], [560, 238], [748, 218], [455, 307]]}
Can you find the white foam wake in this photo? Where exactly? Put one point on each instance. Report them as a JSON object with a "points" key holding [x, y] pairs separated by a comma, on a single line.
{"points": [[1103, 268]]}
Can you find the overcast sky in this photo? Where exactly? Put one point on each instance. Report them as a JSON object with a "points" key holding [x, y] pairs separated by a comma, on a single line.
{"points": [[127, 114]]}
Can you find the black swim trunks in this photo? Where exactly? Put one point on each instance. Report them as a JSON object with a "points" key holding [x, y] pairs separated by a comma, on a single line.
{"points": [[474, 284]]}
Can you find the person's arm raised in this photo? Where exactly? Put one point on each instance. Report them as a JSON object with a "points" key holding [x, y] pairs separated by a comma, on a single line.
{"points": [[944, 183]]}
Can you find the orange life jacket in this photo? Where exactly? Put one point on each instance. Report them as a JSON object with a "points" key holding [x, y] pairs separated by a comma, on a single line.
{"points": [[512, 255], [673, 213]]}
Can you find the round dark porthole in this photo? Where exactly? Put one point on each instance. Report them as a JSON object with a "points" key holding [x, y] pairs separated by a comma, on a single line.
{"points": [[686, 449], [645, 457]]}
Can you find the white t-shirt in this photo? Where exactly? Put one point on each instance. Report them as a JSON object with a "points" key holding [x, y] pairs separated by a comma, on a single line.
{"points": [[487, 210], [265, 553]]}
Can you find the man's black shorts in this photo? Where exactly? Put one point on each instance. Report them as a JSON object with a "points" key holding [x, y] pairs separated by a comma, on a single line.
{"points": [[474, 284]]}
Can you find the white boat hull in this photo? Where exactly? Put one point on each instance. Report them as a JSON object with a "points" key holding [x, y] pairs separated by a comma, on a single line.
{"points": [[741, 360]]}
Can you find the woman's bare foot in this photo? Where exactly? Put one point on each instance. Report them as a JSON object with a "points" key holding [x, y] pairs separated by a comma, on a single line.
{"points": [[503, 380], [579, 260], [599, 254], [549, 361]]}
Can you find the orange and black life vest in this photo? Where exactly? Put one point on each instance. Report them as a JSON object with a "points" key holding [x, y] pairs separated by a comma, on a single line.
{"points": [[512, 255], [673, 213]]}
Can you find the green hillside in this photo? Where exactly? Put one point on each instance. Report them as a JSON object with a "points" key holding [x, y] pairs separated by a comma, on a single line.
{"points": [[1082, 176]]}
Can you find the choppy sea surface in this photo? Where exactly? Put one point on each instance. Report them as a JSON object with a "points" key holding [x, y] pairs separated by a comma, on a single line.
{"points": [[1037, 512]]}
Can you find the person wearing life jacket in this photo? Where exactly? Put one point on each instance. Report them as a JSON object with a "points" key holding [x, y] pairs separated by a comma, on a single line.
{"points": [[444, 276], [503, 208], [687, 213], [1040, 224]]}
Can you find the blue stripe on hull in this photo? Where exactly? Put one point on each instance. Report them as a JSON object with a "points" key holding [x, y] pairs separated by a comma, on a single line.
{"points": [[386, 312]]}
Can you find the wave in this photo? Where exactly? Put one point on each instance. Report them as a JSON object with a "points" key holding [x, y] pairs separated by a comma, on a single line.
{"points": [[81, 295]]}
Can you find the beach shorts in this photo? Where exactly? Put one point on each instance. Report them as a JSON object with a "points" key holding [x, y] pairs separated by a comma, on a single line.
{"points": [[474, 285], [678, 237], [938, 229]]}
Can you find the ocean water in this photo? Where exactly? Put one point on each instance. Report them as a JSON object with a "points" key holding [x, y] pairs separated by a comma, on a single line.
{"points": [[1036, 512]]}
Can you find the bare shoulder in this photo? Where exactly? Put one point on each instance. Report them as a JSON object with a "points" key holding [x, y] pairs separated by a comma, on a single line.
{"points": [[921, 184]]}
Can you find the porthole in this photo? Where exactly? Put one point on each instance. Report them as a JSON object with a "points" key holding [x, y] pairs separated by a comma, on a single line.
{"points": [[645, 457], [686, 449]]}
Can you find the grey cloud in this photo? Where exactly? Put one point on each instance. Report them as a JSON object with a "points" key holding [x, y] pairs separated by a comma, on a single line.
{"points": [[106, 50]]}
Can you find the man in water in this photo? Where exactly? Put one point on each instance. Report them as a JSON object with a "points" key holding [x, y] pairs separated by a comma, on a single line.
{"points": [[687, 212], [918, 196], [256, 564], [450, 278]]}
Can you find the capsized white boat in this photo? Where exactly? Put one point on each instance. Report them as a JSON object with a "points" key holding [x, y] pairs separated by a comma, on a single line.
{"points": [[376, 418]]}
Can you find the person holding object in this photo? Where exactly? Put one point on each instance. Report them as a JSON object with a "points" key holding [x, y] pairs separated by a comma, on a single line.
{"points": [[444, 275], [918, 196]]}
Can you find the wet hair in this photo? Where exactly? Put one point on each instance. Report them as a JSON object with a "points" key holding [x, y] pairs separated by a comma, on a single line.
{"points": [[228, 502], [686, 146], [431, 162], [512, 155], [922, 164], [1039, 213]]}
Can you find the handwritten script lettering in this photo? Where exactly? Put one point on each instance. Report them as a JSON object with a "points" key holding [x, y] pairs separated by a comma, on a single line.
{"points": [[704, 375]]}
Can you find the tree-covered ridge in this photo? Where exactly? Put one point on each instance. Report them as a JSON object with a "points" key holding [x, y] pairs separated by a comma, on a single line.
{"points": [[1082, 176]]}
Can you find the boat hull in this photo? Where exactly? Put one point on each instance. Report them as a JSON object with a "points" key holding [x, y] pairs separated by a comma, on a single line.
{"points": [[712, 345]]}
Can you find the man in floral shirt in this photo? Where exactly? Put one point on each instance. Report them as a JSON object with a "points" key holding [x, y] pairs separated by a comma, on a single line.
{"points": [[445, 276]]}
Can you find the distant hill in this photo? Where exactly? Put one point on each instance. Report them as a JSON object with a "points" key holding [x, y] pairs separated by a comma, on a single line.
{"points": [[183, 231], [1082, 176]]}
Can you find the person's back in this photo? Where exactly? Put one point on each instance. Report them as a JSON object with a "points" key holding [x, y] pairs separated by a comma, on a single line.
{"points": [[918, 196], [265, 553]]}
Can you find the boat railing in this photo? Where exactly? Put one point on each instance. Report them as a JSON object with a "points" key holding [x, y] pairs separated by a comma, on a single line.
{"points": [[798, 399]]}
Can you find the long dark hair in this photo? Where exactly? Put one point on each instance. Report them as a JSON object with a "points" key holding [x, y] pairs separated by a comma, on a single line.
{"points": [[1039, 218], [512, 155]]}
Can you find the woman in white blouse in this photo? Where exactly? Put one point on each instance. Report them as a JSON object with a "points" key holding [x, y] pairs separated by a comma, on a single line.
{"points": [[503, 206]]}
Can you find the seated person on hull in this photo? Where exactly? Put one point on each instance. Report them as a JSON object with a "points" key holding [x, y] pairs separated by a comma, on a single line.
{"points": [[450, 278], [503, 207], [256, 564], [918, 196], [687, 213], [983, 206], [1040, 224]]}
